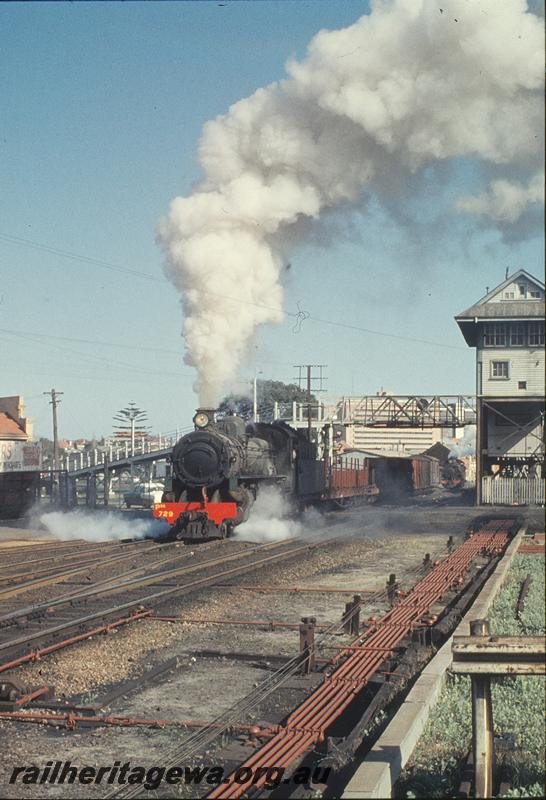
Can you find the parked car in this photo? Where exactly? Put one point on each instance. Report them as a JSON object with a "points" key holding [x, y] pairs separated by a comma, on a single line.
{"points": [[143, 494]]}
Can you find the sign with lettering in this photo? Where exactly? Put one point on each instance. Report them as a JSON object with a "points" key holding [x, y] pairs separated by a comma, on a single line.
{"points": [[20, 457]]}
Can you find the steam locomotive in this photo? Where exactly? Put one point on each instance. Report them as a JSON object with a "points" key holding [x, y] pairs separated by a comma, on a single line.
{"points": [[219, 468], [453, 474]]}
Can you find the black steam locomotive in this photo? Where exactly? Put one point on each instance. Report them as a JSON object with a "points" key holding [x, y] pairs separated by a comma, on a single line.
{"points": [[453, 474], [218, 469]]}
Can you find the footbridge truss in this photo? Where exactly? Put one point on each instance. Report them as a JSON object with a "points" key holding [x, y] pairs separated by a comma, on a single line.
{"points": [[408, 411]]}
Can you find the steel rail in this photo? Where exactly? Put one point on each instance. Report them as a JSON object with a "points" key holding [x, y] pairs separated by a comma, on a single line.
{"points": [[75, 569], [47, 571], [109, 585], [83, 567], [307, 724], [84, 549], [208, 580], [197, 741]]}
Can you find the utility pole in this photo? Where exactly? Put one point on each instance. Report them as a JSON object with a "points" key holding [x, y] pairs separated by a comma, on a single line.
{"points": [[255, 399], [54, 394], [255, 396], [307, 371]]}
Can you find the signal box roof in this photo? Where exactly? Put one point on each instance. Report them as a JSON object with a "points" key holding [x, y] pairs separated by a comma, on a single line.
{"points": [[494, 307]]}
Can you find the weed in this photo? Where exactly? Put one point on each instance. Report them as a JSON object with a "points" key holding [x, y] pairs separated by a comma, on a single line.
{"points": [[518, 707]]}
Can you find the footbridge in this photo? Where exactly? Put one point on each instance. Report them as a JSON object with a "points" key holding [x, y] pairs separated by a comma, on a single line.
{"points": [[408, 411]]}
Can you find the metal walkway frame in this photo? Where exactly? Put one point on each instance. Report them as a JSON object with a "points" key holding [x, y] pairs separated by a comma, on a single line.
{"points": [[409, 411]]}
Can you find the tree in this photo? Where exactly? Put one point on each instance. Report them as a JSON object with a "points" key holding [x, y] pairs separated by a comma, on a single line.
{"points": [[238, 404], [269, 393], [131, 425]]}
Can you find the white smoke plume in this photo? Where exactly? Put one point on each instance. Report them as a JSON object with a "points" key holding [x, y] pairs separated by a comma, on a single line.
{"points": [[409, 85], [268, 521], [505, 201], [467, 445], [98, 527]]}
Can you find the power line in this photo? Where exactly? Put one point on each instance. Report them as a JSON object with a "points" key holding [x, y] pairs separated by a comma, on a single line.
{"points": [[122, 345], [127, 270], [34, 339], [300, 316], [388, 335], [68, 376], [57, 251], [91, 341]]}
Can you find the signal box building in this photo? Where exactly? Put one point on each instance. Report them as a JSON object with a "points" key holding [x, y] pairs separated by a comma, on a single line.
{"points": [[507, 329]]}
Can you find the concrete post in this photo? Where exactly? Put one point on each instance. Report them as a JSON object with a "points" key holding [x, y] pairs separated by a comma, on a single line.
{"points": [[482, 723]]}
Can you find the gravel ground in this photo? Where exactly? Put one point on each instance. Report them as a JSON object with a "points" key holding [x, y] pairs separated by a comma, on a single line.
{"points": [[125, 654], [518, 707], [379, 541]]}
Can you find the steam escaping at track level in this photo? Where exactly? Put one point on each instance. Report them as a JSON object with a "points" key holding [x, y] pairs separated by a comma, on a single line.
{"points": [[369, 108], [268, 521], [98, 527]]}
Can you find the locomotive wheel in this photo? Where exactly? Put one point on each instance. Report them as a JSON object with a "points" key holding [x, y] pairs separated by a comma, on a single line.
{"points": [[226, 530], [177, 533]]}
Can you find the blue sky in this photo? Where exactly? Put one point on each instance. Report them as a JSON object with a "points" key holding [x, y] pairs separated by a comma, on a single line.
{"points": [[102, 107]]}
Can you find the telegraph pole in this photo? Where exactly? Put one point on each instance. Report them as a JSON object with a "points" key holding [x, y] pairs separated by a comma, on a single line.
{"points": [[307, 370], [54, 394], [255, 396], [255, 399]]}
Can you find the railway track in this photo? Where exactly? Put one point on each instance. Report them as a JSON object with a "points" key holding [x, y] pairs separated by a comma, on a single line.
{"points": [[348, 673], [356, 664], [16, 582], [36, 629]]}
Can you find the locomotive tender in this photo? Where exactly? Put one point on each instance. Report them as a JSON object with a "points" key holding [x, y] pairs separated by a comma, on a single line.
{"points": [[219, 468]]}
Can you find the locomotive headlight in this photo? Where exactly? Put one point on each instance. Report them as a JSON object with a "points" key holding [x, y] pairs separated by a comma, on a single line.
{"points": [[201, 420]]}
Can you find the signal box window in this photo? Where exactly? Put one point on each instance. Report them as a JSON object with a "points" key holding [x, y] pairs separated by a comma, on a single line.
{"points": [[496, 335], [499, 370], [521, 288], [536, 333], [517, 334], [522, 384], [535, 294]]}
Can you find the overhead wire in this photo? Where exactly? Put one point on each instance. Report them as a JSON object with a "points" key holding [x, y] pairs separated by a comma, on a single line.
{"points": [[90, 357], [158, 350], [300, 316]]}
